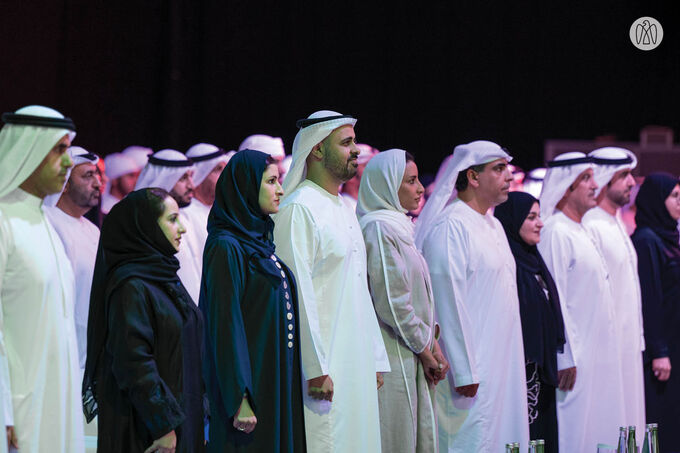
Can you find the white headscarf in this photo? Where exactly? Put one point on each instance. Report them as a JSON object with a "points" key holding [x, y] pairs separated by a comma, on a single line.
{"points": [[464, 156], [379, 193], [164, 169], [559, 177], [205, 157], [608, 161], [78, 156], [24, 146], [265, 143], [118, 164], [140, 154], [306, 139]]}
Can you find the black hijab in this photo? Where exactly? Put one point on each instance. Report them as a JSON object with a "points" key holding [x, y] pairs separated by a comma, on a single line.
{"points": [[651, 211], [542, 324], [131, 244], [237, 209]]}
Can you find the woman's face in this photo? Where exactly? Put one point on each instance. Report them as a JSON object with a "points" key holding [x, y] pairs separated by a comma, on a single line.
{"points": [[673, 203], [411, 190], [531, 228], [270, 190], [170, 224]]}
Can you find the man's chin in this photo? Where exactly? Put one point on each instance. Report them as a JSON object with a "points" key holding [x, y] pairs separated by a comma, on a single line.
{"points": [[351, 173]]}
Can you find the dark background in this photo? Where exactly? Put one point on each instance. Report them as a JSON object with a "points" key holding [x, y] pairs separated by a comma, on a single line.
{"points": [[422, 76]]}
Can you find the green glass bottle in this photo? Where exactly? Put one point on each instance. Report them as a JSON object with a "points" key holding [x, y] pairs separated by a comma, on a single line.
{"points": [[653, 429], [631, 444], [532, 446], [540, 446]]}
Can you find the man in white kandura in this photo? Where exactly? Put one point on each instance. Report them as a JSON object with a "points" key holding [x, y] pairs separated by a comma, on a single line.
{"points": [[122, 171], [39, 374], [318, 236], [482, 404], [79, 236], [613, 168], [173, 171], [209, 161], [590, 394]]}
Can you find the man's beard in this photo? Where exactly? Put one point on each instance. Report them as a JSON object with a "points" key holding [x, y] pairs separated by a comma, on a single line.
{"points": [[182, 201], [621, 199], [342, 170], [87, 199]]}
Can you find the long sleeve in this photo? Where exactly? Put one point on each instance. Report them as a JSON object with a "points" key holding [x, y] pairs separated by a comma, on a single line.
{"points": [[296, 242], [649, 270], [131, 344], [447, 259], [5, 384], [391, 289], [556, 252], [226, 340]]}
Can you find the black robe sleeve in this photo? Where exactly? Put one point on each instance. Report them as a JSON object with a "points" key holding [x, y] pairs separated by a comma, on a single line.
{"points": [[650, 262], [226, 343], [131, 344]]}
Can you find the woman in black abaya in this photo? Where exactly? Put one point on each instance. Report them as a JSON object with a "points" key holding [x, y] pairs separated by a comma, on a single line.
{"points": [[248, 298], [142, 375], [656, 242], [539, 307]]}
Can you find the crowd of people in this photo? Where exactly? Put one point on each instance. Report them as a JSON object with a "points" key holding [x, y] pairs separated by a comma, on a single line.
{"points": [[327, 301]]}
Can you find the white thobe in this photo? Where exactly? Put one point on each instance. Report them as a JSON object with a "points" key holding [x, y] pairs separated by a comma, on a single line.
{"points": [[189, 257], [81, 239], [197, 214], [38, 344], [593, 411], [318, 236], [609, 233], [475, 292]]}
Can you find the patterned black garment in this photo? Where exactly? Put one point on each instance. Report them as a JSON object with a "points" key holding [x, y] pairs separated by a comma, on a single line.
{"points": [[249, 301], [542, 324]]}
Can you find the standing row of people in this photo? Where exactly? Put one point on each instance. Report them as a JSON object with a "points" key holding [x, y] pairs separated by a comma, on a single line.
{"points": [[319, 330]]}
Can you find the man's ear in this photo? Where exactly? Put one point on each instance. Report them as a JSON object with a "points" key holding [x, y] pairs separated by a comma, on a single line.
{"points": [[316, 151], [473, 178]]}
